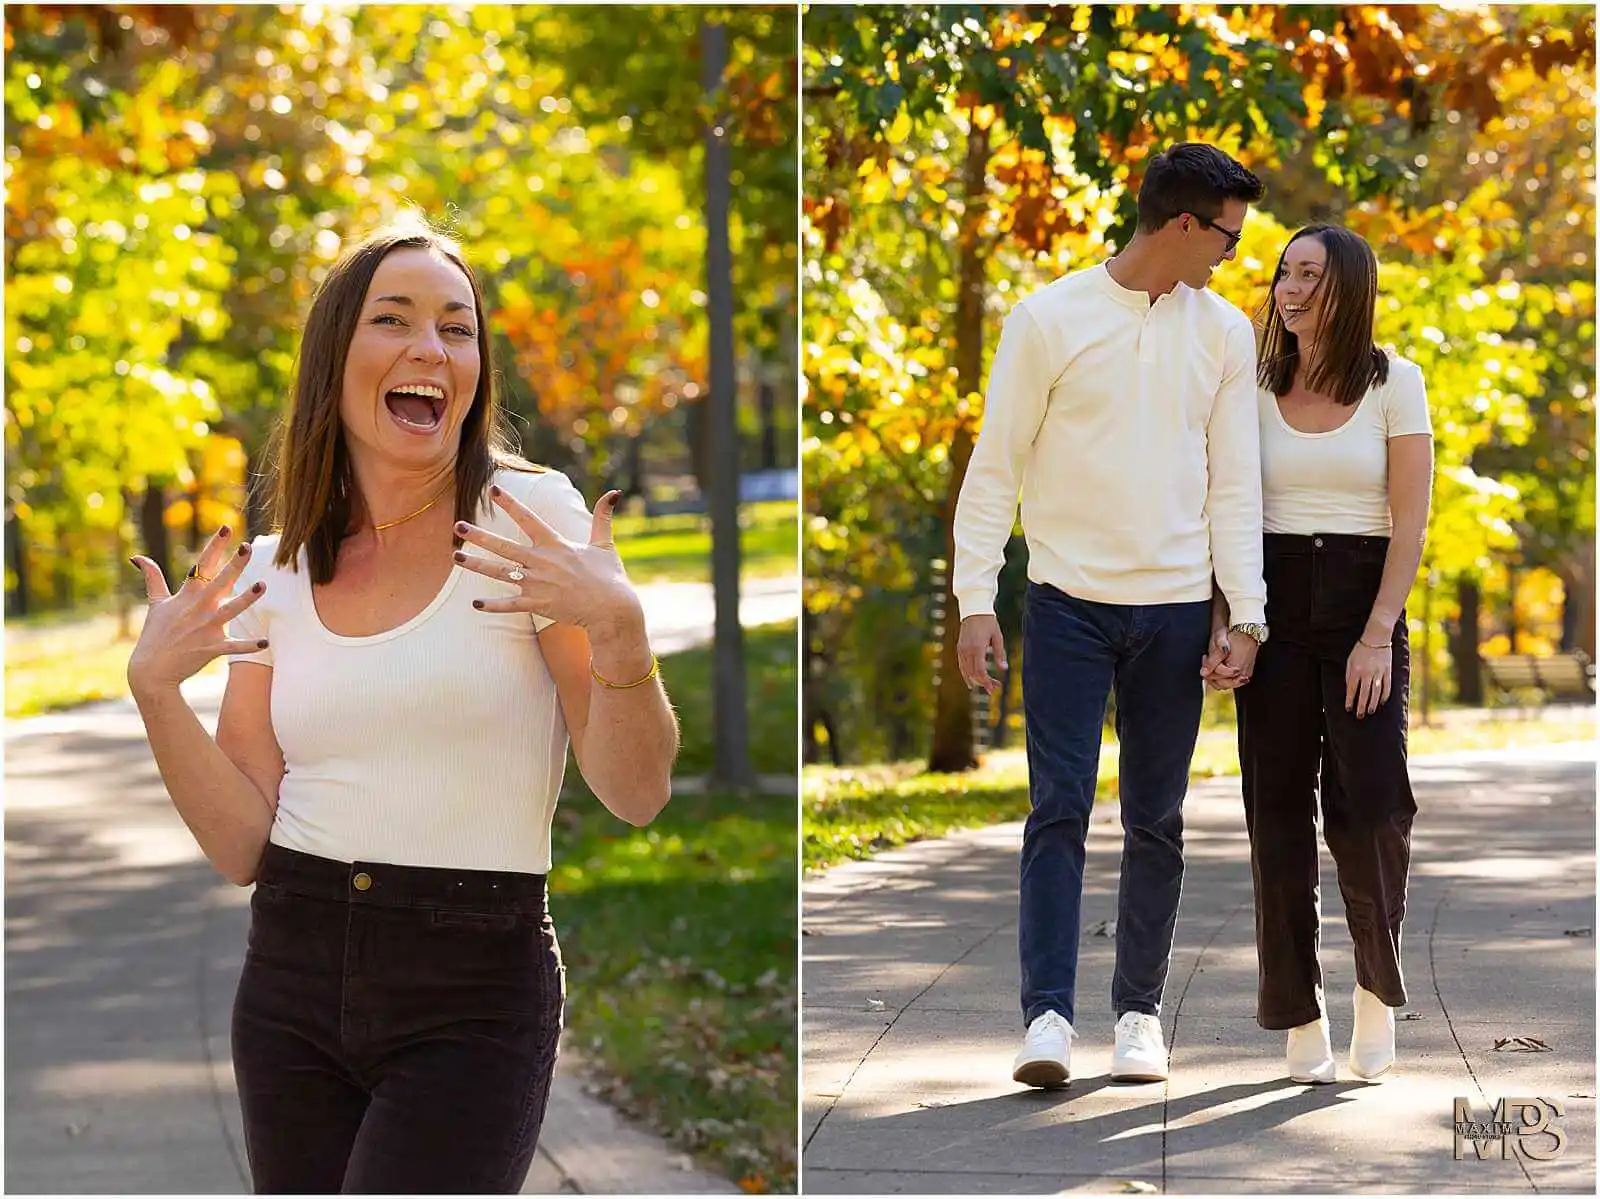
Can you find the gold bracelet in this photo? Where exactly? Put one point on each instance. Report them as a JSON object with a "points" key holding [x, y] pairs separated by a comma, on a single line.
{"points": [[655, 666], [1369, 645]]}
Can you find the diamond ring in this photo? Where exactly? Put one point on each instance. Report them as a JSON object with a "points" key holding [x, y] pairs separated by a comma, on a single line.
{"points": [[516, 576]]}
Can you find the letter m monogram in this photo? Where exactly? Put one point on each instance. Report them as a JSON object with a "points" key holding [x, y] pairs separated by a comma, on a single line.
{"points": [[1467, 1124]]}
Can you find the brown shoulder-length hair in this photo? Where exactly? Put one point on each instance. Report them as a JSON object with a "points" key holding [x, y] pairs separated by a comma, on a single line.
{"points": [[315, 502], [1348, 363]]}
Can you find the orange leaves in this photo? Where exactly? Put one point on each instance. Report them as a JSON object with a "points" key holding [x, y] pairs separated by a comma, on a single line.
{"points": [[590, 345]]}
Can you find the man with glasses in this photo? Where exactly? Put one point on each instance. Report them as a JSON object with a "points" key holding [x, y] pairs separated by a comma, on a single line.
{"points": [[1122, 407]]}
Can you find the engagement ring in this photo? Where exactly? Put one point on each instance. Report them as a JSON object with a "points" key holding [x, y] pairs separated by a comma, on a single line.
{"points": [[516, 576]]}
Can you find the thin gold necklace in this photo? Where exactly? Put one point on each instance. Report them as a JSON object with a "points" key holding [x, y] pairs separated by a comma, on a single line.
{"points": [[391, 524]]}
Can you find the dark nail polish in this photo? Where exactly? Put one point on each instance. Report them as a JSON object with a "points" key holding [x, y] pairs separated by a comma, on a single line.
{"points": [[494, 490], [259, 588], [459, 556], [461, 527], [224, 531], [478, 604], [244, 550], [133, 562], [262, 644]]}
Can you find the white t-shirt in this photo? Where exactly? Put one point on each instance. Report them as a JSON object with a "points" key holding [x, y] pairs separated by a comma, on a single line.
{"points": [[1129, 428], [1338, 482], [437, 743]]}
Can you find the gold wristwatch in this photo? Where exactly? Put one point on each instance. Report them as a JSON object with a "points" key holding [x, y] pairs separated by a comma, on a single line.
{"points": [[1255, 631]]}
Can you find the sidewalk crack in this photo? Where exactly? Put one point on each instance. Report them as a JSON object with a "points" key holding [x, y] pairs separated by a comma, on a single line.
{"points": [[1177, 1014], [889, 1027], [1433, 978]]}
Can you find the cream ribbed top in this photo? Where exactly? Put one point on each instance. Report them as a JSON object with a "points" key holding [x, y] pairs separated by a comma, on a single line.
{"points": [[437, 743], [1338, 481]]}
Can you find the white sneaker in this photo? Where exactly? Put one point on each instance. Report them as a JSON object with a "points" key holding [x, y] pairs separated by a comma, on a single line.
{"points": [[1045, 1059], [1141, 1053], [1311, 1052], [1372, 1040]]}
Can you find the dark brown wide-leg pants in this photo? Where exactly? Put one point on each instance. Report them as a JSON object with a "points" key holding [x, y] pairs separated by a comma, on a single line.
{"points": [[1296, 739]]}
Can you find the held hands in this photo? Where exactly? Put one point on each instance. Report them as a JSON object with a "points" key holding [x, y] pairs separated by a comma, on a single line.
{"points": [[561, 580], [979, 635], [184, 631], [1230, 661]]}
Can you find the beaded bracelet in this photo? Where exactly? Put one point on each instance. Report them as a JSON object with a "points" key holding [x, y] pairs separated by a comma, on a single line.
{"points": [[655, 667]]}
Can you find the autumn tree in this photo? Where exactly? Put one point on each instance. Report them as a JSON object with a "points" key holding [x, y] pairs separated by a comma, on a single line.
{"points": [[998, 141]]}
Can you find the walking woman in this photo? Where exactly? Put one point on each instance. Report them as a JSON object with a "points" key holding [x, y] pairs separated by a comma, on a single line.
{"points": [[392, 740], [1347, 463]]}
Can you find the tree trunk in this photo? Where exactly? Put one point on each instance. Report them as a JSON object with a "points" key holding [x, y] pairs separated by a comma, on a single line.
{"points": [[17, 554], [953, 747], [1577, 614], [635, 456], [1469, 678], [731, 767], [153, 528], [767, 399], [696, 428], [810, 700], [1512, 579], [257, 496]]}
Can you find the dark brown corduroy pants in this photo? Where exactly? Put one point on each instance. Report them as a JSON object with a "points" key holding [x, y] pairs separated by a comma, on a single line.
{"points": [[1295, 741]]}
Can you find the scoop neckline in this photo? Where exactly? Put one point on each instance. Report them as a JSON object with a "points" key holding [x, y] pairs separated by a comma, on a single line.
{"points": [[1355, 411], [309, 599]]}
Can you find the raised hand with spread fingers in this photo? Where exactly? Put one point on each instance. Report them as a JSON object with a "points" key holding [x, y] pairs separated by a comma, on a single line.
{"points": [[186, 629]]}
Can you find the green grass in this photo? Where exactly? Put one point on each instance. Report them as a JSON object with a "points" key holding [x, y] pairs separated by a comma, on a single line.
{"points": [[679, 938], [678, 548], [60, 660], [854, 812]]}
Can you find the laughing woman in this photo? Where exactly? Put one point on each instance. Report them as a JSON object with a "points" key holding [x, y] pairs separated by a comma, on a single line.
{"points": [[392, 740], [1347, 463]]}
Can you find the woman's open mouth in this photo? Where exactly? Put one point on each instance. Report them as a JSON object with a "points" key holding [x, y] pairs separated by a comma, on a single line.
{"points": [[416, 407]]}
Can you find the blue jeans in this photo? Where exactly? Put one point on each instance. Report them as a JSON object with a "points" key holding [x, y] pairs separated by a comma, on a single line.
{"points": [[1074, 652]]}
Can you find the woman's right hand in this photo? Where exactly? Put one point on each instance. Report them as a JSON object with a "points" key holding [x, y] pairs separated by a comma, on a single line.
{"points": [[184, 631]]}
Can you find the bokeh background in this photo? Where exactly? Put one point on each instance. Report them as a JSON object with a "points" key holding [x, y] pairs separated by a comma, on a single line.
{"points": [[178, 180], [957, 157]]}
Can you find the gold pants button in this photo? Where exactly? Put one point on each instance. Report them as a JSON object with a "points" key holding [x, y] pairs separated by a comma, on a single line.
{"points": [[362, 881]]}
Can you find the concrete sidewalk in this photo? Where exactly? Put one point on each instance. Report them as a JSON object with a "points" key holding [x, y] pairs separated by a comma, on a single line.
{"points": [[123, 950], [910, 1012]]}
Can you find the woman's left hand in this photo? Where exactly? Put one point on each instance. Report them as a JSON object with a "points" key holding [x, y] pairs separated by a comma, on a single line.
{"points": [[1367, 676], [561, 580]]}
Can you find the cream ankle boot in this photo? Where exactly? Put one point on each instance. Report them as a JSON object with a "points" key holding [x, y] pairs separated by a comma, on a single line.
{"points": [[1311, 1052], [1372, 1040]]}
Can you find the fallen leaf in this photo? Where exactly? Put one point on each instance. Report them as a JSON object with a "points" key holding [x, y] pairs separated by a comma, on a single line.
{"points": [[1106, 928], [875, 1005], [1135, 1187], [1521, 1045], [1578, 932], [1412, 1016], [932, 1103]]}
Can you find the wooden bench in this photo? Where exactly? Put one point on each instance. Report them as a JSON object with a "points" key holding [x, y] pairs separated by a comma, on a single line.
{"points": [[1561, 677]]}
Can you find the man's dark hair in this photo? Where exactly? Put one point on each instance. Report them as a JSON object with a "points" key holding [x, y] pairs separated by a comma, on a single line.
{"points": [[1192, 177]]}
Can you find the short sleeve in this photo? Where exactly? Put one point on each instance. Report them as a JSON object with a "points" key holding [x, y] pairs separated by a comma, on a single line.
{"points": [[554, 500], [253, 623], [1406, 405]]}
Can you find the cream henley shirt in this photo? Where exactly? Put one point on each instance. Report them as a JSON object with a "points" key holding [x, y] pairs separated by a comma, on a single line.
{"points": [[1130, 430]]}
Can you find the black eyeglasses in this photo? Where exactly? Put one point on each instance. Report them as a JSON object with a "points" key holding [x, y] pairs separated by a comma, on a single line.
{"points": [[1233, 238]]}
